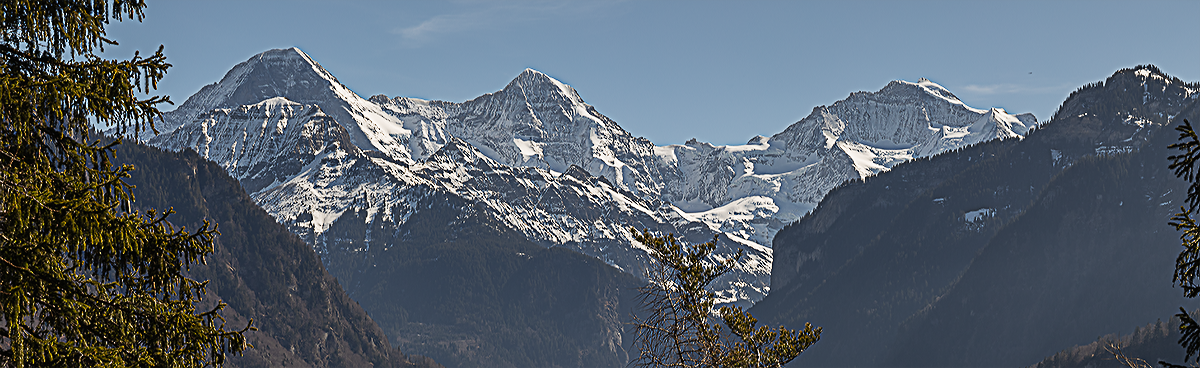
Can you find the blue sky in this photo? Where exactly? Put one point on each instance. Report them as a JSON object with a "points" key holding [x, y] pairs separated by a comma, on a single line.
{"points": [[721, 72]]}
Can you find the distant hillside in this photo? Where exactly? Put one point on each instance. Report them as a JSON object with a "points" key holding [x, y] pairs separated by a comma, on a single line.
{"points": [[263, 271], [1158, 341]]}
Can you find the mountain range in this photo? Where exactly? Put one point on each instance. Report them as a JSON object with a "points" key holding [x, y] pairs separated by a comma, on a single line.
{"points": [[548, 165], [1001, 253], [918, 231], [268, 277]]}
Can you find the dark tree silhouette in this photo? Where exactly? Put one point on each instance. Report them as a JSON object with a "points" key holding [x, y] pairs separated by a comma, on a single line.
{"points": [[86, 280], [1187, 266], [676, 329]]}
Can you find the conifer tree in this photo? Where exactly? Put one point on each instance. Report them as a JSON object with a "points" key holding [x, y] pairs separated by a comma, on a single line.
{"points": [[1187, 265], [85, 278], [678, 329]]}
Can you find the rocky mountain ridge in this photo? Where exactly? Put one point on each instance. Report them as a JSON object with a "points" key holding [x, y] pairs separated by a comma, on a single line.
{"points": [[1000, 253], [264, 272], [549, 165]]}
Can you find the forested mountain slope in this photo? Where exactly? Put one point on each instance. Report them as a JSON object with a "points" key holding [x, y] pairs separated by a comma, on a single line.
{"points": [[458, 287], [1154, 342], [982, 256], [263, 271], [453, 284]]}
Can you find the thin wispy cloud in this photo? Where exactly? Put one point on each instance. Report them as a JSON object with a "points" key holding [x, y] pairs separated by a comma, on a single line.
{"points": [[483, 16], [1011, 88], [447, 23]]}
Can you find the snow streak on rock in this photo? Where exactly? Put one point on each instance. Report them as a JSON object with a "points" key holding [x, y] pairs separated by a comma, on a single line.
{"points": [[772, 181], [547, 164]]}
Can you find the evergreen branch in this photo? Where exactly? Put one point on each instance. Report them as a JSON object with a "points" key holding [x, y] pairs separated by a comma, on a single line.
{"points": [[1190, 334], [1187, 265], [1185, 164]]}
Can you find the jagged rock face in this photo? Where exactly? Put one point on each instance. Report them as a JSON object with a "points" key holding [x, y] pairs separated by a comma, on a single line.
{"points": [[586, 213], [537, 121], [262, 143], [573, 209], [292, 74], [549, 165], [920, 119], [748, 191], [773, 181], [303, 169], [970, 243]]}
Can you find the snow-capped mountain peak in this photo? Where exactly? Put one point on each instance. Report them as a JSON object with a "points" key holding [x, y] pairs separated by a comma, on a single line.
{"points": [[288, 73], [535, 121], [937, 90], [538, 158], [537, 82], [292, 74], [775, 180]]}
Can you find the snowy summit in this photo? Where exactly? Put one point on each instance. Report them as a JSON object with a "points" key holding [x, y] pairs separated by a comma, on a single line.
{"points": [[547, 164]]}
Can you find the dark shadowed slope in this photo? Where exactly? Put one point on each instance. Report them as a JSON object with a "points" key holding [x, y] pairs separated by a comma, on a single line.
{"points": [[1091, 256], [1158, 341], [457, 285], [881, 264], [452, 283], [263, 271]]}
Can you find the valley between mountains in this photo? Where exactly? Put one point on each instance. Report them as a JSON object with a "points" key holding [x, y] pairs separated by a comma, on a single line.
{"points": [[495, 231]]}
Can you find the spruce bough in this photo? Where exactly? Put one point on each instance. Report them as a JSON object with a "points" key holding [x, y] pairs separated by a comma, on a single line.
{"points": [[677, 329], [86, 279]]}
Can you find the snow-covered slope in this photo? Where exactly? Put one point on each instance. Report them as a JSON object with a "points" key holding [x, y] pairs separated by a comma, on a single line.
{"points": [[544, 162], [750, 190], [754, 189], [536, 121], [307, 165], [571, 209], [292, 74]]}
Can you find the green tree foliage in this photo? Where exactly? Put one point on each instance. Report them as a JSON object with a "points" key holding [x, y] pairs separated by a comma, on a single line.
{"points": [[678, 330], [1187, 266], [85, 279]]}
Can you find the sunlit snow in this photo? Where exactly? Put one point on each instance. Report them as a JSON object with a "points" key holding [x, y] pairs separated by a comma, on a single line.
{"points": [[533, 153]]}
